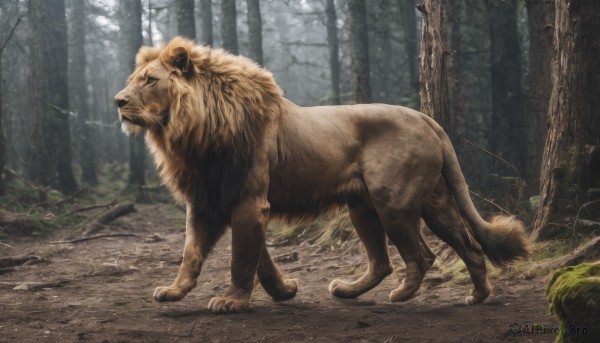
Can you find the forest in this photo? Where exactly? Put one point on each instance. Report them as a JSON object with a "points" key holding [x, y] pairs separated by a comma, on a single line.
{"points": [[88, 229]]}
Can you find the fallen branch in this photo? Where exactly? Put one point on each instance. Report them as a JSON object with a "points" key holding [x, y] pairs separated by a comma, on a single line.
{"points": [[586, 252], [6, 245], [107, 217], [79, 240], [19, 260], [496, 156], [92, 207], [32, 286], [21, 224]]}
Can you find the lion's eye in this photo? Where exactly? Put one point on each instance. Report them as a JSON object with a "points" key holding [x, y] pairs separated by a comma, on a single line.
{"points": [[150, 80]]}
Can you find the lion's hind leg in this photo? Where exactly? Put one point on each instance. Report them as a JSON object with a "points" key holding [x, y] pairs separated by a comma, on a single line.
{"points": [[443, 218], [272, 281], [370, 231]]}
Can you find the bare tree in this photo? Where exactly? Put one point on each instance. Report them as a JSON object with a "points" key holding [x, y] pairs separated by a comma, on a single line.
{"points": [[255, 31], [131, 31], [79, 91], [207, 26], [3, 43], [573, 114], [509, 125], [409, 25], [435, 99], [359, 51], [51, 138], [186, 23], [540, 17], [229, 26], [334, 54]]}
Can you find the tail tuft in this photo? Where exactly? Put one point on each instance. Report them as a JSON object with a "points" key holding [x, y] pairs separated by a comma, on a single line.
{"points": [[504, 240]]}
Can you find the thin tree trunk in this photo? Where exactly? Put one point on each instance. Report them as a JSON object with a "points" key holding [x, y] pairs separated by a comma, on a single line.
{"points": [[49, 95], [131, 29], [409, 25], [509, 125], [2, 140], [573, 114], [186, 23], [435, 100], [255, 31], [359, 51], [229, 26], [540, 15], [80, 94], [207, 26], [334, 58]]}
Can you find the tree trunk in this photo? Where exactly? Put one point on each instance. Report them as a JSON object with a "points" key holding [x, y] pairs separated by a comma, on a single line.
{"points": [[255, 31], [359, 51], [49, 95], [2, 140], [540, 15], [435, 100], [573, 114], [334, 58], [79, 91], [131, 29], [229, 26], [186, 23], [409, 24], [509, 125], [207, 26]]}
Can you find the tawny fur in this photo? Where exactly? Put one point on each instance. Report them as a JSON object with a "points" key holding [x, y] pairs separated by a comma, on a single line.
{"points": [[230, 146]]}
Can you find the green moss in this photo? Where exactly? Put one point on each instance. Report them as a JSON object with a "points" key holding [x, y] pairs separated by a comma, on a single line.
{"points": [[574, 297]]}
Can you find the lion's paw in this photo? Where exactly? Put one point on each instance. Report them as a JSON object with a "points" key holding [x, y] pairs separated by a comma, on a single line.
{"points": [[475, 298], [162, 294], [289, 290], [228, 305], [342, 289], [403, 293]]}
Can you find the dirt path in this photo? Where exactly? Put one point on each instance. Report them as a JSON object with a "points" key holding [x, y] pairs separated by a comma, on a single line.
{"points": [[108, 297]]}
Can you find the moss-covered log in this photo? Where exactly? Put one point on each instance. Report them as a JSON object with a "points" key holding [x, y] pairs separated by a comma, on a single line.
{"points": [[574, 297]]}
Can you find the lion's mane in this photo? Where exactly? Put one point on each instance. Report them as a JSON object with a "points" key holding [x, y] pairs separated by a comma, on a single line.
{"points": [[220, 105]]}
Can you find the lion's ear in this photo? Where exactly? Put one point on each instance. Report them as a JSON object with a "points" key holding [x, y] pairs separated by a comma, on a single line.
{"points": [[178, 55]]}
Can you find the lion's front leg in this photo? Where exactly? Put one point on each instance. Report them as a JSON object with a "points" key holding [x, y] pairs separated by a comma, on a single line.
{"points": [[248, 223], [197, 246]]}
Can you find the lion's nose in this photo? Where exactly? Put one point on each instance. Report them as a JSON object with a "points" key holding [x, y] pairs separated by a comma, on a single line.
{"points": [[120, 101]]}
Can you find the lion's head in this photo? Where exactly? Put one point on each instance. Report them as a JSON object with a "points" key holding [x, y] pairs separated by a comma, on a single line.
{"points": [[199, 105], [182, 91]]}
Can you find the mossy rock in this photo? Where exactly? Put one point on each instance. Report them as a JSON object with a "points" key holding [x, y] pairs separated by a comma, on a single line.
{"points": [[574, 297]]}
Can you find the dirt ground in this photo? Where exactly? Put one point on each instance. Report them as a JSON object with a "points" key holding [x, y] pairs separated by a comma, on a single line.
{"points": [[106, 296]]}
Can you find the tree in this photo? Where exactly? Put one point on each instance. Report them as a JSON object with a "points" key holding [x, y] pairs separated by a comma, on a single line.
{"points": [[3, 43], [79, 91], [51, 138], [359, 51], [255, 31], [334, 54], [509, 125], [131, 31], [435, 98], [186, 24], [573, 114], [207, 27], [540, 16], [409, 24], [229, 26]]}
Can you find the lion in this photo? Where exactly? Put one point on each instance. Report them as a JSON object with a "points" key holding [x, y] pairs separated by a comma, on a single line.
{"points": [[237, 153]]}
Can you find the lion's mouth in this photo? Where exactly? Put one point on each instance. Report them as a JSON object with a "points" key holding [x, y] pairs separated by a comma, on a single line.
{"points": [[130, 120]]}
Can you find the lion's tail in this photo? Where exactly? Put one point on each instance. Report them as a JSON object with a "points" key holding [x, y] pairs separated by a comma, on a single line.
{"points": [[503, 239]]}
